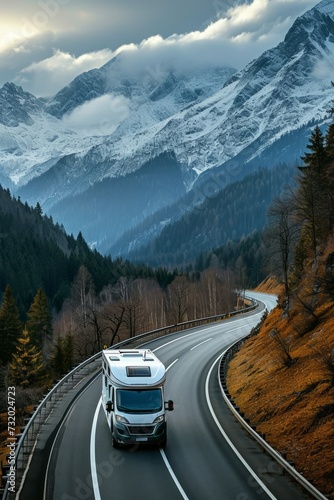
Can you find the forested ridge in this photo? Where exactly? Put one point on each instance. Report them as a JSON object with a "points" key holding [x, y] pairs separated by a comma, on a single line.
{"points": [[111, 206], [233, 213], [36, 253]]}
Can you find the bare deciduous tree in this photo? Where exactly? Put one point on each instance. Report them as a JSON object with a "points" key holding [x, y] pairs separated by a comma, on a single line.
{"points": [[178, 299], [283, 345], [282, 232]]}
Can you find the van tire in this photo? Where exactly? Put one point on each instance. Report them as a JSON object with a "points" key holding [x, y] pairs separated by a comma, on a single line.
{"points": [[114, 442]]}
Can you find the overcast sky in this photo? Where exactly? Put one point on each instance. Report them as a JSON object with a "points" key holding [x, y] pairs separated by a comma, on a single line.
{"points": [[44, 44]]}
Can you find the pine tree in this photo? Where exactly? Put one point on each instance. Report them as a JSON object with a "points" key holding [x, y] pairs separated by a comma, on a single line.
{"points": [[38, 209], [10, 326], [316, 158], [39, 322], [329, 143], [26, 366], [311, 205]]}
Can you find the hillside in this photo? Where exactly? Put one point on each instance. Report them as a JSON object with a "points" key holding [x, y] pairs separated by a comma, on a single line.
{"points": [[36, 253], [104, 212], [293, 406], [283, 377], [233, 212]]}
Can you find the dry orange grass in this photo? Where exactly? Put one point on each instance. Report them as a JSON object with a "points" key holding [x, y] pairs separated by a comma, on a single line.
{"points": [[270, 285], [292, 405]]}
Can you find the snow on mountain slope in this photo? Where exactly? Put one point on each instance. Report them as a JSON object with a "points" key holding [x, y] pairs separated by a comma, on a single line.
{"points": [[35, 135], [204, 118], [31, 140], [284, 89]]}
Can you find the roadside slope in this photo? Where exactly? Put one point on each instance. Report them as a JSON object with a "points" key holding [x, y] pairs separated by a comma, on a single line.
{"points": [[283, 380]]}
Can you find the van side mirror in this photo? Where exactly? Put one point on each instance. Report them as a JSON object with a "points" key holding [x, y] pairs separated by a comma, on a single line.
{"points": [[109, 406], [169, 405]]}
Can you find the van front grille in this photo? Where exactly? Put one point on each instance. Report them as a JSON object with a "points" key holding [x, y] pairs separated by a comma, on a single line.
{"points": [[141, 429]]}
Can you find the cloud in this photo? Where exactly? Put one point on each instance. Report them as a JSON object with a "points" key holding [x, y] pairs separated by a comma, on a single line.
{"points": [[241, 34], [46, 77], [239, 31], [255, 19], [100, 116]]}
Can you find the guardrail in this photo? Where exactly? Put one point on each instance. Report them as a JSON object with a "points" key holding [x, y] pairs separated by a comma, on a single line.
{"points": [[222, 372], [26, 441]]}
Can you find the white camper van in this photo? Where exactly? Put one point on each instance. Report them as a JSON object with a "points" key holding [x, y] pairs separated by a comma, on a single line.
{"points": [[133, 396]]}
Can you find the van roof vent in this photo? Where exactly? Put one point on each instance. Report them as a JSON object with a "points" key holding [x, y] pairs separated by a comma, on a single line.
{"points": [[138, 371]]}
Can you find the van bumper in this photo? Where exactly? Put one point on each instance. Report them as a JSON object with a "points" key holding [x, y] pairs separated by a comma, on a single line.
{"points": [[140, 434]]}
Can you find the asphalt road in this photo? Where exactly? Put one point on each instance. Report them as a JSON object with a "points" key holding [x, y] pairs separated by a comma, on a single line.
{"points": [[208, 454]]}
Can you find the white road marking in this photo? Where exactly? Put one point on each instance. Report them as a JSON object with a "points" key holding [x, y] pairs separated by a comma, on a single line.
{"points": [[195, 347], [227, 439], [171, 472], [175, 340], [169, 468], [95, 482], [208, 326], [168, 367]]}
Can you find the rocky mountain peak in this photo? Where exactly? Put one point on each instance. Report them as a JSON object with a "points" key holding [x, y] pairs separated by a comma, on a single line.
{"points": [[84, 87], [326, 6], [315, 26], [16, 106]]}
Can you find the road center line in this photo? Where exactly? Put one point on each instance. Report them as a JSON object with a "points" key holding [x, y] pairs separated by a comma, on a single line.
{"points": [[208, 326], [171, 472], [169, 468], [195, 347]]}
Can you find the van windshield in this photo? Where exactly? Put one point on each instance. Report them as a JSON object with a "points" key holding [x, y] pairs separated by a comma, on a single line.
{"points": [[139, 401]]}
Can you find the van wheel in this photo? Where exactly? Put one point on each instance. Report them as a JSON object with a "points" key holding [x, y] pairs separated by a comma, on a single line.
{"points": [[114, 443], [164, 443]]}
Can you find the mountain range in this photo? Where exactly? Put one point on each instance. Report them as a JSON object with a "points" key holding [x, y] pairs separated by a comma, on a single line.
{"points": [[164, 136]]}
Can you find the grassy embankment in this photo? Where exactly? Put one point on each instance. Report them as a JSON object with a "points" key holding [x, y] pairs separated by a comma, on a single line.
{"points": [[289, 396]]}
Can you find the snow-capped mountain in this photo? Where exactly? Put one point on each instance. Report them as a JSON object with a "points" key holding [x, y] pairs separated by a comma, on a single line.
{"points": [[206, 120], [31, 140], [71, 130]]}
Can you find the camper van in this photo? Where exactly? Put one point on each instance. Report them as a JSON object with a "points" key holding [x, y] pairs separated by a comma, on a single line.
{"points": [[133, 396]]}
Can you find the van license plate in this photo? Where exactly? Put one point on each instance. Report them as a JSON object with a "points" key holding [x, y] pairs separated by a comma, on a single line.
{"points": [[141, 439]]}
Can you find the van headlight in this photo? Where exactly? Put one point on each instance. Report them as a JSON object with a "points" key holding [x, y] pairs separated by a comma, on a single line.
{"points": [[121, 420], [159, 419]]}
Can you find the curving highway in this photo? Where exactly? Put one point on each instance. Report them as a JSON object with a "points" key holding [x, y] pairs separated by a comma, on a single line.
{"points": [[208, 454]]}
